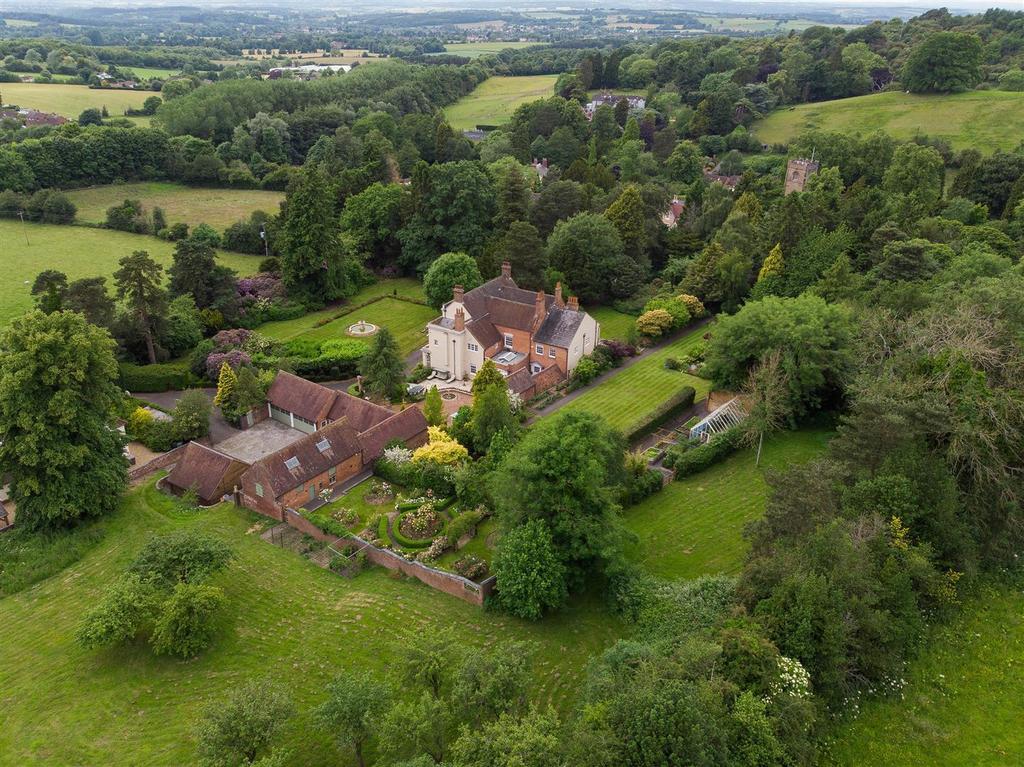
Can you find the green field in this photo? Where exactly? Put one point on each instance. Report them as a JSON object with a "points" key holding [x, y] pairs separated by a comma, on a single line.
{"points": [[148, 72], [71, 100], [614, 324], [495, 99], [406, 320], [285, 618], [78, 251], [473, 50], [758, 24], [984, 120], [217, 207], [694, 526], [626, 396], [963, 704]]}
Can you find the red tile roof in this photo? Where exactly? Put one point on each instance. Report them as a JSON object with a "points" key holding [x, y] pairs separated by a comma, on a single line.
{"points": [[304, 459], [210, 472], [406, 426]]}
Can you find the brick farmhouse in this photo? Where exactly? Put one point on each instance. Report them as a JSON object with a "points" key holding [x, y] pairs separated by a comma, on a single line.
{"points": [[535, 339]]}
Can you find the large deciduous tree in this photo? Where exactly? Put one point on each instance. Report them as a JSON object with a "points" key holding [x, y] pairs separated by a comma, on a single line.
{"points": [[944, 62], [58, 400], [445, 273], [589, 249]]}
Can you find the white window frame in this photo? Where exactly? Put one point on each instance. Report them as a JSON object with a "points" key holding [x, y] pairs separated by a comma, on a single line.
{"points": [[473, 347], [472, 368], [539, 348], [535, 367], [332, 475], [509, 340], [259, 490], [551, 352]]}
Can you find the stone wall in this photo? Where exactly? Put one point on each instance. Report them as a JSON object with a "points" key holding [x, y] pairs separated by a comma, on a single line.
{"points": [[449, 583]]}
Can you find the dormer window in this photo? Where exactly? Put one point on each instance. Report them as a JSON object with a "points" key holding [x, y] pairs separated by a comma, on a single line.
{"points": [[323, 446], [292, 463]]}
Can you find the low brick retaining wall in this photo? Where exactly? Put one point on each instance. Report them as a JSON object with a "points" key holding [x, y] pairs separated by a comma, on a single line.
{"points": [[449, 583]]}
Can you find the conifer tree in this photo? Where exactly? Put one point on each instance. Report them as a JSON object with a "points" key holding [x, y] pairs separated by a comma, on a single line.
{"points": [[433, 408], [227, 382], [382, 368]]}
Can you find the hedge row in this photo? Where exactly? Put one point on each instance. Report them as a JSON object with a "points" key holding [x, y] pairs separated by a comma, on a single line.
{"points": [[408, 543], [695, 460], [326, 523], [671, 407], [157, 378]]}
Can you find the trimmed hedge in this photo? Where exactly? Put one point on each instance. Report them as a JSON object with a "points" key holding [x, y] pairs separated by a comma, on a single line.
{"points": [[695, 460], [671, 407], [157, 378], [408, 543], [326, 523], [409, 505]]}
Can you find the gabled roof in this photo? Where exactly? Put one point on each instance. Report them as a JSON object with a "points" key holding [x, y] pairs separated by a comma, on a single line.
{"points": [[479, 300], [317, 403], [559, 327], [359, 413], [548, 377], [483, 330], [297, 395], [312, 455], [208, 471], [404, 426], [519, 381]]}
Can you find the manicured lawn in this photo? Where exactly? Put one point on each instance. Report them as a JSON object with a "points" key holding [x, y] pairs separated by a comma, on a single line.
{"points": [[984, 120], [495, 99], [77, 251], [217, 207], [623, 397], [72, 100], [148, 72], [963, 704], [694, 526], [478, 547], [472, 50], [405, 320], [613, 324], [285, 618]]}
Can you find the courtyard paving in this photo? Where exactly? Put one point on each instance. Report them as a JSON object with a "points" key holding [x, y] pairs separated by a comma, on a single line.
{"points": [[262, 439]]}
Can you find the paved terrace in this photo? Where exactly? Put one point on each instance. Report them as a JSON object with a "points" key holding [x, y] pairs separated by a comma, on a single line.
{"points": [[254, 443]]}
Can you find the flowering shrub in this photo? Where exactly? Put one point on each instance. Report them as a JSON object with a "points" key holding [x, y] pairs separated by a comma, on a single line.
{"points": [[231, 339], [654, 322], [347, 517], [436, 549], [515, 402], [397, 456], [420, 521], [471, 567], [793, 679], [380, 489], [235, 358], [442, 449], [262, 286], [619, 349], [693, 304]]}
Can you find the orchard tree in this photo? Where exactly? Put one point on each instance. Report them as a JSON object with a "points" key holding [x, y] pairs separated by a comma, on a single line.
{"points": [[238, 730], [139, 285], [59, 396], [355, 703], [445, 273], [382, 368]]}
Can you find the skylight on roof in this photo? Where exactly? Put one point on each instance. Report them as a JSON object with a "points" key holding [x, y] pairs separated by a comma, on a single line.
{"points": [[292, 463], [323, 446]]}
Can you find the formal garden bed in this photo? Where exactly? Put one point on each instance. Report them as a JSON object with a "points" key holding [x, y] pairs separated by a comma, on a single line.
{"points": [[420, 527]]}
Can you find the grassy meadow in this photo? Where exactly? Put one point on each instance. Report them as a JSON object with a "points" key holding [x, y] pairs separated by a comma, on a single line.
{"points": [[77, 251], [963, 703], [624, 397], [217, 207], [495, 99], [694, 526], [71, 100], [284, 617], [984, 120]]}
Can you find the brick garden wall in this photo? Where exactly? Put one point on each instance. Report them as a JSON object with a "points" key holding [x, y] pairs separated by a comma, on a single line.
{"points": [[449, 583]]}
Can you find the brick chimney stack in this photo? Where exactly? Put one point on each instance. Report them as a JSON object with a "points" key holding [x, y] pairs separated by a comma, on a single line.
{"points": [[457, 294], [574, 304], [540, 310], [559, 302], [460, 320], [506, 269]]}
